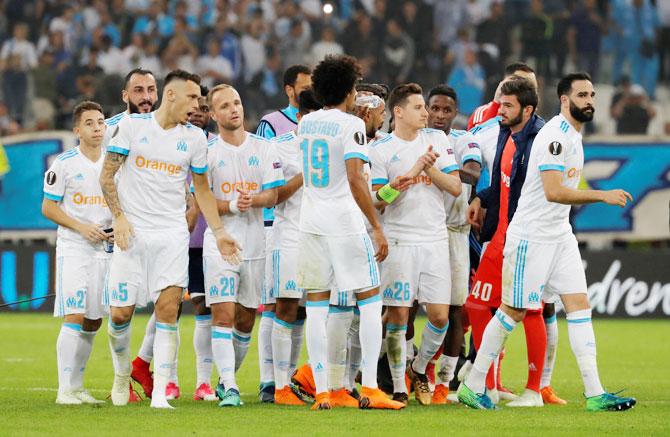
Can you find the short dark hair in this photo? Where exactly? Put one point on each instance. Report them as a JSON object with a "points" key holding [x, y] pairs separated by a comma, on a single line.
{"points": [[140, 71], [565, 84], [307, 102], [518, 66], [400, 94], [443, 90], [82, 107], [378, 89], [204, 90], [334, 78], [181, 75], [292, 72], [524, 91]]}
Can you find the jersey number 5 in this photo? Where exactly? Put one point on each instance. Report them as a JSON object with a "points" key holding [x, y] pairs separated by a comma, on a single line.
{"points": [[315, 163]]}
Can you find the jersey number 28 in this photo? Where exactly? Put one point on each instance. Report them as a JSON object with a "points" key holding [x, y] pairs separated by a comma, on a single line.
{"points": [[315, 163]]}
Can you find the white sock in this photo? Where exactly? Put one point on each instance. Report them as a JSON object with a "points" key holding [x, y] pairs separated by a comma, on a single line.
{"points": [[354, 352], [66, 351], [281, 352], [337, 330], [317, 343], [84, 347], [146, 352], [174, 375], [552, 345], [296, 344], [396, 353], [265, 348], [409, 349], [493, 340], [165, 354], [431, 340], [223, 351], [241, 342], [119, 343], [583, 343], [447, 369], [370, 334], [202, 343]]}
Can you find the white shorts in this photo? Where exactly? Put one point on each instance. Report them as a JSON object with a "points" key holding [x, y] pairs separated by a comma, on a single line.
{"points": [[348, 261], [284, 263], [153, 262], [240, 283], [533, 272], [419, 272], [459, 260], [268, 292], [80, 282]]}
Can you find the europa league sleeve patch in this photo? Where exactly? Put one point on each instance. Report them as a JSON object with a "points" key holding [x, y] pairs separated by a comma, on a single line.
{"points": [[359, 137], [555, 148], [51, 178], [116, 131]]}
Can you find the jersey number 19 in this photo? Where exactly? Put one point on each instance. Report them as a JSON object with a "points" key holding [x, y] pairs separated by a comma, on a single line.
{"points": [[315, 163]]}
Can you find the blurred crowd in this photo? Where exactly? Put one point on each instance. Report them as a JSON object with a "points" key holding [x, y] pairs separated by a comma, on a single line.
{"points": [[55, 53]]}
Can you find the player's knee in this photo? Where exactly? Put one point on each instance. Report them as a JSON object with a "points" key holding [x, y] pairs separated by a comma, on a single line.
{"points": [[549, 310], [120, 317], [517, 314], [91, 325], [439, 320], [455, 315], [199, 306]]}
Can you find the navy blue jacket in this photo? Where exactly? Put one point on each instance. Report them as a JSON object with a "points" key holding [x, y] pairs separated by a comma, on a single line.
{"points": [[490, 197]]}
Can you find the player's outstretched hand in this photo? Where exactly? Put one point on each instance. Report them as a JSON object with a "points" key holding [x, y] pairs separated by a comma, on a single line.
{"points": [[243, 200], [381, 244], [617, 197], [92, 233], [123, 231], [401, 183], [228, 247], [476, 214]]}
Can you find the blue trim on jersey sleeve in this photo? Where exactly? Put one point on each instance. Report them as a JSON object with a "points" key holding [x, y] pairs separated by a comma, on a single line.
{"points": [[475, 158], [545, 167], [199, 170], [356, 155], [53, 197], [380, 181], [275, 184], [119, 150], [450, 168]]}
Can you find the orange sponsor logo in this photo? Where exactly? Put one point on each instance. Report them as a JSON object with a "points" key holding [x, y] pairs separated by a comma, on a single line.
{"points": [[81, 199], [230, 187], [574, 173], [161, 166], [422, 179]]}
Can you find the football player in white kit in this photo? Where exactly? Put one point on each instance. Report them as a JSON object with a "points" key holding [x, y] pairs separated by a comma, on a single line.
{"points": [[244, 172], [417, 267], [154, 151], [541, 256], [442, 109], [73, 200], [334, 247]]}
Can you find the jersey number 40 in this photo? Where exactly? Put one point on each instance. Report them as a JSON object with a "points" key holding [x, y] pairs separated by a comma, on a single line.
{"points": [[315, 163]]}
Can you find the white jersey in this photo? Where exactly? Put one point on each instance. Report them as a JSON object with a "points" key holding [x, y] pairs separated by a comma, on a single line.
{"points": [[558, 146], [72, 181], [486, 135], [286, 226], [152, 180], [417, 215], [327, 139], [465, 149], [252, 166], [110, 123]]}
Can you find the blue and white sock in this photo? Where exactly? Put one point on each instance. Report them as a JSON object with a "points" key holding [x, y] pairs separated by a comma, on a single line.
{"points": [[552, 346], [265, 348], [431, 340], [281, 351], [317, 343], [202, 343], [165, 354], [354, 352], [119, 345], [66, 351], [337, 330], [241, 342], [146, 352], [84, 348], [583, 343], [395, 347], [296, 344], [224, 355], [370, 334]]}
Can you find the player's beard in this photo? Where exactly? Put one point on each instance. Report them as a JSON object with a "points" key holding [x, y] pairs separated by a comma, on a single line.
{"points": [[580, 114], [135, 109], [514, 121]]}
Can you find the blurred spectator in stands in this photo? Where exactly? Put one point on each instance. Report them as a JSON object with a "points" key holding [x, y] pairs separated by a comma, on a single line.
{"points": [[110, 28], [493, 37], [150, 59], [664, 39], [397, 55], [8, 126], [44, 78], [54, 42], [448, 17], [17, 57], [417, 21], [267, 84], [68, 26], [230, 45], [180, 51], [134, 51], [536, 33], [558, 46], [632, 109], [362, 42], [468, 78], [327, 45], [516, 11], [111, 58], [90, 67], [296, 45], [212, 67], [584, 37], [253, 47]]}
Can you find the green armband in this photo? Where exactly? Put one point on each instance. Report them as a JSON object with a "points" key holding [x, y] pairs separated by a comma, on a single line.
{"points": [[388, 194]]}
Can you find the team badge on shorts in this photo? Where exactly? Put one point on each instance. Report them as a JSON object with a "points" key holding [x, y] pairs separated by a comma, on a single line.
{"points": [[555, 148]]}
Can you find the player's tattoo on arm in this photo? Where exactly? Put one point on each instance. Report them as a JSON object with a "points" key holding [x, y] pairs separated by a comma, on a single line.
{"points": [[110, 166]]}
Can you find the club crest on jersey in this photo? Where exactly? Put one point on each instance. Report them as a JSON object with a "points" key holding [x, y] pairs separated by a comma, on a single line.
{"points": [[221, 164], [145, 140], [79, 177], [555, 148], [181, 146], [395, 158], [473, 146], [253, 161], [51, 178], [359, 137]]}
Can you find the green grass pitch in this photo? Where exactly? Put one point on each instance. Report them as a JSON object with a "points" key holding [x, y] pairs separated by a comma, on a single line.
{"points": [[632, 354]]}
